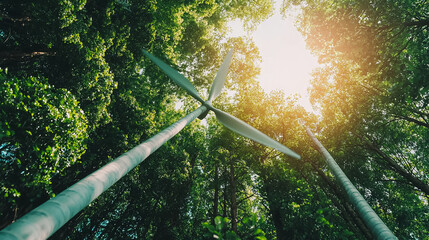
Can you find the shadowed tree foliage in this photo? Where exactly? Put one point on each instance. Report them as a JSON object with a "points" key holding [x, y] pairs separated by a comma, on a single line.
{"points": [[373, 96], [77, 92]]}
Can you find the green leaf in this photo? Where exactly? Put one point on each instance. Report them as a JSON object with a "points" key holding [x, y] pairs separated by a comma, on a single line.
{"points": [[258, 232], [231, 235], [218, 220]]}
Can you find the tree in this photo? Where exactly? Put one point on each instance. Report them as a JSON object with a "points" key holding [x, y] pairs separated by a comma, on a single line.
{"points": [[91, 50], [43, 131], [372, 98]]}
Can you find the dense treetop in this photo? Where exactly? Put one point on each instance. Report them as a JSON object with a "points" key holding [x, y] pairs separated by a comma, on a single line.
{"points": [[76, 91]]}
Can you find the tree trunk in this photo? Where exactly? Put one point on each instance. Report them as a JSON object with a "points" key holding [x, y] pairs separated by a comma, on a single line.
{"points": [[277, 219], [233, 198], [225, 194], [6, 18], [216, 193], [8, 55], [274, 209]]}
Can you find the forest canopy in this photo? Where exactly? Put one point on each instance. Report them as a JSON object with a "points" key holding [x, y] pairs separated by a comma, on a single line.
{"points": [[77, 92]]}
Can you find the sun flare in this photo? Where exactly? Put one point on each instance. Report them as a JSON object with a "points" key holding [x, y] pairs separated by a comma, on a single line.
{"points": [[286, 62]]}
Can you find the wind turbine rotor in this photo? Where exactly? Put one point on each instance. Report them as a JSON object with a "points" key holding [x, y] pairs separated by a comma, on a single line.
{"points": [[229, 121]]}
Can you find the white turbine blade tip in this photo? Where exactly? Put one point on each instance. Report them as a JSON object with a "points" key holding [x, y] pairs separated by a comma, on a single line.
{"points": [[248, 131], [220, 78]]}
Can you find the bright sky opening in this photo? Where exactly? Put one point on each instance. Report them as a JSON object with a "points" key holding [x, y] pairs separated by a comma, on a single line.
{"points": [[286, 62]]}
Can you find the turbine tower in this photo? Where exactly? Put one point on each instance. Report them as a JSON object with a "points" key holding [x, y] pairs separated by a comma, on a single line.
{"points": [[46, 219]]}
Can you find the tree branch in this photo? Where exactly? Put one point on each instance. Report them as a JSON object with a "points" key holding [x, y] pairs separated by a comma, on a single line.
{"points": [[413, 120], [417, 24]]}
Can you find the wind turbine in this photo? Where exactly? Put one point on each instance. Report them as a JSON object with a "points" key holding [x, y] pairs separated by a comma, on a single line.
{"points": [[46, 219], [226, 119]]}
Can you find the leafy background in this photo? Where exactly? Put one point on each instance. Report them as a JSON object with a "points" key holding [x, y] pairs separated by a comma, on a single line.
{"points": [[77, 92]]}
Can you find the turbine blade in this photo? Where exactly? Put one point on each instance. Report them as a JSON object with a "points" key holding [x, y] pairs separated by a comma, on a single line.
{"points": [[178, 78], [220, 78], [246, 130]]}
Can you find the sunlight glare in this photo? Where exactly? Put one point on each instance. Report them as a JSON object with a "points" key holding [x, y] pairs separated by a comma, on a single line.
{"points": [[286, 62]]}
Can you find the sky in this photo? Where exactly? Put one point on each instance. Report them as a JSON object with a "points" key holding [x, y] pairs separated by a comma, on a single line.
{"points": [[286, 62]]}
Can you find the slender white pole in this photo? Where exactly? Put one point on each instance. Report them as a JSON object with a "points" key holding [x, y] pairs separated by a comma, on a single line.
{"points": [[44, 220], [377, 227]]}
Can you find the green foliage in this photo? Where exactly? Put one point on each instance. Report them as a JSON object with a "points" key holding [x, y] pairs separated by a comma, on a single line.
{"points": [[43, 131], [220, 229], [248, 229], [252, 227], [90, 53], [77, 92], [373, 100]]}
